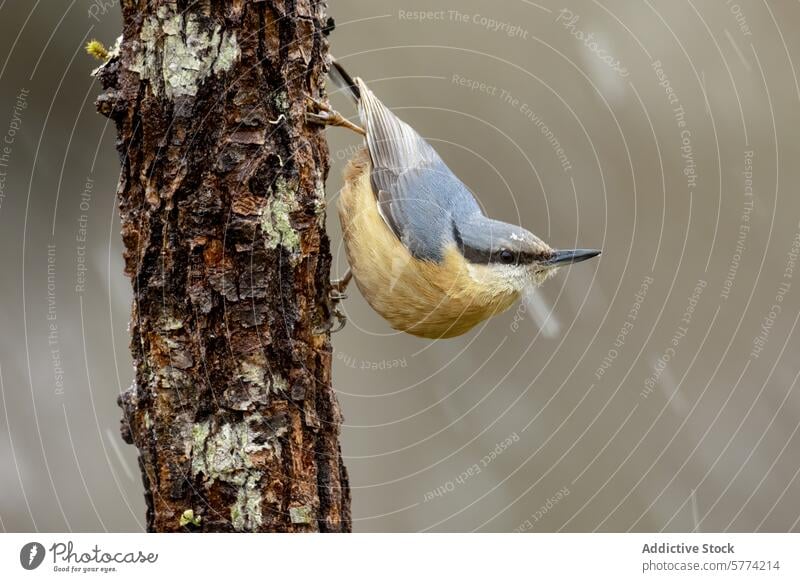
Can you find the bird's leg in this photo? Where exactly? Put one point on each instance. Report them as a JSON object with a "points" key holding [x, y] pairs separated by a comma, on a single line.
{"points": [[322, 114], [338, 286]]}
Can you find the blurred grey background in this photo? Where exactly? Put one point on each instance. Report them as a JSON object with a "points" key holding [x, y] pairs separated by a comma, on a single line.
{"points": [[654, 389]]}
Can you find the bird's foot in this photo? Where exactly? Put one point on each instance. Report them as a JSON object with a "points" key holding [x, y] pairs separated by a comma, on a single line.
{"points": [[341, 319], [339, 286], [335, 323], [336, 295], [322, 114]]}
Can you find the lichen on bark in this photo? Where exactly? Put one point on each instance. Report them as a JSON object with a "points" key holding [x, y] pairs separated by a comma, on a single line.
{"points": [[222, 213], [178, 50], [275, 219]]}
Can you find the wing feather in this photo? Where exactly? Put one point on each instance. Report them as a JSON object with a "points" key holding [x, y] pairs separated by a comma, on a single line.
{"points": [[415, 191]]}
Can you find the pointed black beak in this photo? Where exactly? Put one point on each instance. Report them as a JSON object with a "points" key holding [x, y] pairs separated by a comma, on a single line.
{"points": [[561, 258]]}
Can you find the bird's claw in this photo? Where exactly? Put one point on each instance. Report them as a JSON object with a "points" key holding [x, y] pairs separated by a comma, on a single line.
{"points": [[341, 319], [328, 326], [335, 296], [322, 114]]}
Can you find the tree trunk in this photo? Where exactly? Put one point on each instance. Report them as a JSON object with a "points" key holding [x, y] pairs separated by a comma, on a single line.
{"points": [[223, 211]]}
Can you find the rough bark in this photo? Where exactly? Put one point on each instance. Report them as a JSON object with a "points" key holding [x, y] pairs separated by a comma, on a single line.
{"points": [[222, 207]]}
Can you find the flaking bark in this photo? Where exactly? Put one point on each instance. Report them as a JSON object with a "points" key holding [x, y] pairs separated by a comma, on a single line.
{"points": [[223, 211]]}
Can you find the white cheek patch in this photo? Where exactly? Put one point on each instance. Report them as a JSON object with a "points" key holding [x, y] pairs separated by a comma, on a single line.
{"points": [[499, 277], [513, 277]]}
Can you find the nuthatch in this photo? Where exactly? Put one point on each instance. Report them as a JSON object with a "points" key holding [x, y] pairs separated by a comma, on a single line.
{"points": [[420, 249]]}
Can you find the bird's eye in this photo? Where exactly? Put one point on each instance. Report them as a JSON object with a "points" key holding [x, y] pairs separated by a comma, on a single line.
{"points": [[506, 257]]}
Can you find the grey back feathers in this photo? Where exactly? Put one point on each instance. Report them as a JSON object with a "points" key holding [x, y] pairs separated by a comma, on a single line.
{"points": [[420, 199]]}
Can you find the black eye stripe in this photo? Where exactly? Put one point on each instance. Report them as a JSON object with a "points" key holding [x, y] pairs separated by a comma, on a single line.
{"points": [[493, 256], [509, 257]]}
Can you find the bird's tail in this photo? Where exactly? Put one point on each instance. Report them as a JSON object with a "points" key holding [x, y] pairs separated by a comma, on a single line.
{"points": [[342, 79]]}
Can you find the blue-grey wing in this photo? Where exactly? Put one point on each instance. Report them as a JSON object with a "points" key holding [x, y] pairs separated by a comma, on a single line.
{"points": [[418, 196]]}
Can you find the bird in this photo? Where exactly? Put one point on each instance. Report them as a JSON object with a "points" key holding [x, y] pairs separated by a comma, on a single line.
{"points": [[421, 250]]}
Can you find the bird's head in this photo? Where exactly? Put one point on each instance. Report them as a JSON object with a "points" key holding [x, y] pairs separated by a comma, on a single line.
{"points": [[508, 257]]}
